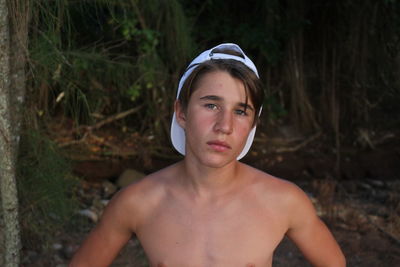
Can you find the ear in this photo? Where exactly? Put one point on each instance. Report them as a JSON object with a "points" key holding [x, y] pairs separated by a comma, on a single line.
{"points": [[180, 114]]}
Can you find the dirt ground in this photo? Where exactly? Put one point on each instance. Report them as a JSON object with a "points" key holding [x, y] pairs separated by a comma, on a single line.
{"points": [[361, 207]]}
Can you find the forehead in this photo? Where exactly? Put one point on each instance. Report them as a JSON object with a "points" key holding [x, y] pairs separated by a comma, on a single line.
{"points": [[221, 83]]}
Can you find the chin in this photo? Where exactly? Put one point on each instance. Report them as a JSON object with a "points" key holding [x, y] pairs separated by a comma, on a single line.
{"points": [[218, 161]]}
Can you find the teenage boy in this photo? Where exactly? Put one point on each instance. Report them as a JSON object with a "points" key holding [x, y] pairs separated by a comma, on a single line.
{"points": [[210, 209]]}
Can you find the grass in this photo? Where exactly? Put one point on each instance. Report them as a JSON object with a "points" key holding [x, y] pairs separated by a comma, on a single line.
{"points": [[46, 191]]}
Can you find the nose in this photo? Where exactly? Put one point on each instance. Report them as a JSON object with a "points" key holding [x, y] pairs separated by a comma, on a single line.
{"points": [[224, 123]]}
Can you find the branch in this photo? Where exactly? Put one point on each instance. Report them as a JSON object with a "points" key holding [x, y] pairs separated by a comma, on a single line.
{"points": [[115, 117], [74, 142], [110, 119], [297, 147], [383, 231]]}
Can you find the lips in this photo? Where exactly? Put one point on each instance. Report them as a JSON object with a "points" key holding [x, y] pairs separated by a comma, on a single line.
{"points": [[219, 146]]}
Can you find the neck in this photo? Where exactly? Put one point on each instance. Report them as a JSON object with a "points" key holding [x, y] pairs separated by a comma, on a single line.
{"points": [[206, 182]]}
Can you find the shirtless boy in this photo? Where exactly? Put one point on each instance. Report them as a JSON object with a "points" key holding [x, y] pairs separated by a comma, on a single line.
{"points": [[209, 209]]}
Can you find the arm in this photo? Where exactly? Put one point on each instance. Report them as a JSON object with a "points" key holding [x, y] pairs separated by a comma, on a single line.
{"points": [[109, 236], [311, 235]]}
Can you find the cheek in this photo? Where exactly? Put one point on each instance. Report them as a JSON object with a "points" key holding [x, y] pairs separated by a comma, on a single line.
{"points": [[243, 129], [199, 118], [199, 123], [244, 124]]}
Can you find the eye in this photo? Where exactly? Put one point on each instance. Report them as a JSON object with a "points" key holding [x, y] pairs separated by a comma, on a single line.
{"points": [[241, 112], [211, 106]]}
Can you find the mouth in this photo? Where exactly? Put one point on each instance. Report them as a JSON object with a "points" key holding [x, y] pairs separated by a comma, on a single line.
{"points": [[219, 146]]}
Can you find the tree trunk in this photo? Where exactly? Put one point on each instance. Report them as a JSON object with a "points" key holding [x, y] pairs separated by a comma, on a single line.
{"points": [[19, 17], [301, 110], [10, 103]]}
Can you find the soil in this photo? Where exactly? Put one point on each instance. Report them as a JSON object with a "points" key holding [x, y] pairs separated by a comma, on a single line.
{"points": [[360, 204]]}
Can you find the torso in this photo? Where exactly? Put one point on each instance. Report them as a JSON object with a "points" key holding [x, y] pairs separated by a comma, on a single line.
{"points": [[240, 229]]}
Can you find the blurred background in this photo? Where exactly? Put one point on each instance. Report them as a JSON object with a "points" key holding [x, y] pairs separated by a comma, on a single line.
{"points": [[101, 78]]}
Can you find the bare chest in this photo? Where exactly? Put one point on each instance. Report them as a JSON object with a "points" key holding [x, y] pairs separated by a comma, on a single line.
{"points": [[238, 233]]}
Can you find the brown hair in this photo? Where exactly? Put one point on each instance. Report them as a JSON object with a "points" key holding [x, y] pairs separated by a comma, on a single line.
{"points": [[236, 69]]}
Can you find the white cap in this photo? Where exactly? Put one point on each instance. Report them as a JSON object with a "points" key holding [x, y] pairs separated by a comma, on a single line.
{"points": [[178, 136]]}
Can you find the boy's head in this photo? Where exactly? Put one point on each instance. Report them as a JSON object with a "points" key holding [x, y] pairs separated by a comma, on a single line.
{"points": [[228, 58]]}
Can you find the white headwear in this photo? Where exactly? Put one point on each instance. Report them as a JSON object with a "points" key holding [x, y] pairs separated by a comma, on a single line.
{"points": [[177, 133]]}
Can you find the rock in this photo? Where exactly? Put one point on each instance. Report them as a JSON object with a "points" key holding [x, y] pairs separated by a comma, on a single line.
{"points": [[128, 177], [69, 250], [376, 183], [97, 170], [97, 205], [109, 189], [90, 214], [365, 186], [57, 246]]}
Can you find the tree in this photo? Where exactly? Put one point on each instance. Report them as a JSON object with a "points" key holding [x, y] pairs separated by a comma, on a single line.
{"points": [[13, 46]]}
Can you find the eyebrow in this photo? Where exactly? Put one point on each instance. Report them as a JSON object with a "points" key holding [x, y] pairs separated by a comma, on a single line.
{"points": [[211, 97], [218, 98], [246, 106]]}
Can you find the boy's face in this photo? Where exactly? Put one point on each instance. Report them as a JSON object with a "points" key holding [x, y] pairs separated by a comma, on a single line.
{"points": [[217, 119]]}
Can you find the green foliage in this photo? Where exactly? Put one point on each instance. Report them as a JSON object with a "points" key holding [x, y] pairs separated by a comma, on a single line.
{"points": [[105, 56], [134, 92], [145, 39], [46, 188], [274, 109], [262, 35]]}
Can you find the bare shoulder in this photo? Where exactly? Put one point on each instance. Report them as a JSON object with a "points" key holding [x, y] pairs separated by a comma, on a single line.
{"points": [[150, 185], [301, 222], [145, 188], [139, 197], [127, 210], [277, 187], [286, 196]]}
